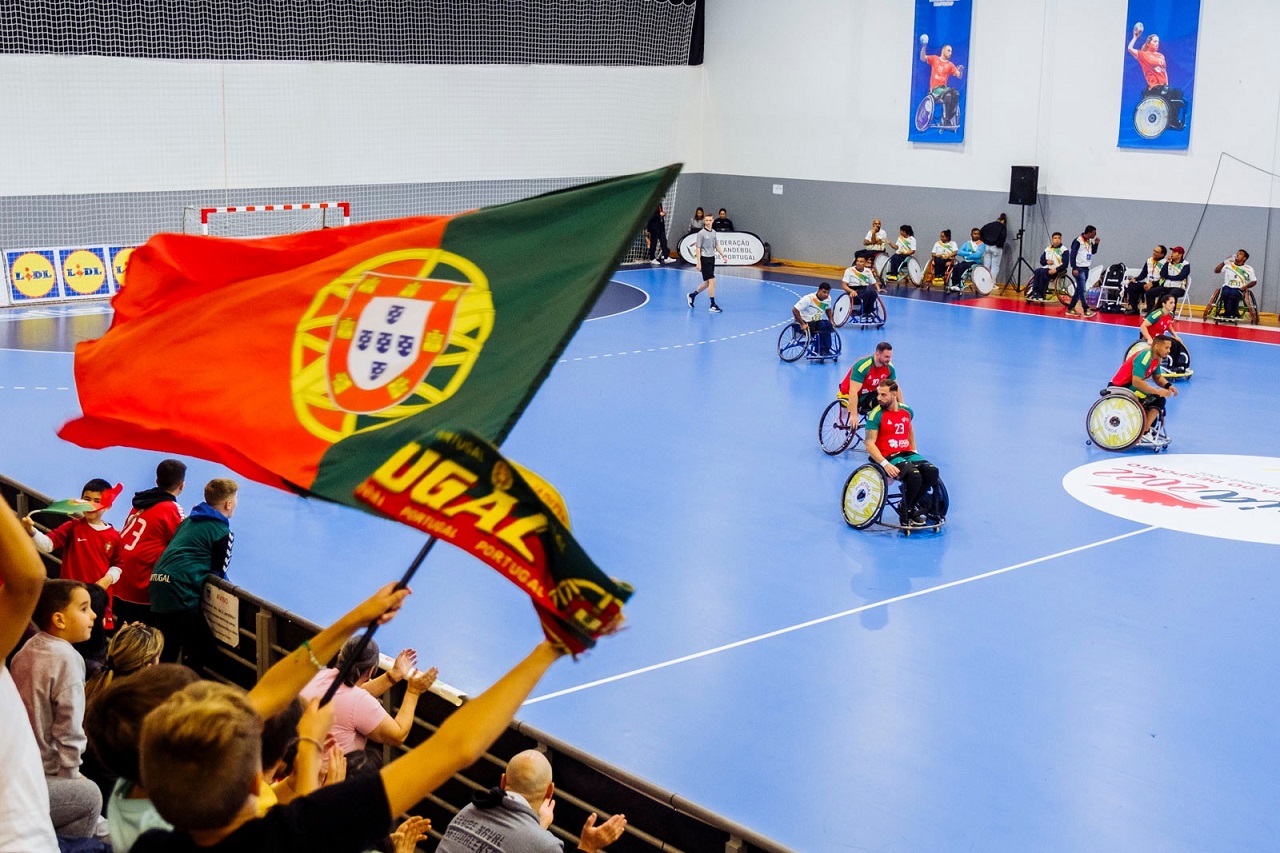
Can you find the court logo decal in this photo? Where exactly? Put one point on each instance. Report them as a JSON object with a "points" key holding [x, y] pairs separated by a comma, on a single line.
{"points": [[1228, 497]]}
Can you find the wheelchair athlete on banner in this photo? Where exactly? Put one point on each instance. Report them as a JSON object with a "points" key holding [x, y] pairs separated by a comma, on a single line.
{"points": [[1132, 410], [921, 502]]}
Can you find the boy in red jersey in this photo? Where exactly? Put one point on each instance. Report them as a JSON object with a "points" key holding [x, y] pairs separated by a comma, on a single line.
{"points": [[891, 444], [151, 524], [1137, 369], [90, 554]]}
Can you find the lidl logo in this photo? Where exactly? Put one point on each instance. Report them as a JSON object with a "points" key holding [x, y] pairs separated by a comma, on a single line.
{"points": [[119, 261], [84, 271], [33, 274], [1230, 497]]}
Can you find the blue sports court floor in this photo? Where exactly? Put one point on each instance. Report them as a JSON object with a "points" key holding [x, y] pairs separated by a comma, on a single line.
{"points": [[1040, 675]]}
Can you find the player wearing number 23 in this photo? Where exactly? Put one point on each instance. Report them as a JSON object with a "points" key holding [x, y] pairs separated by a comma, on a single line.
{"points": [[891, 444]]}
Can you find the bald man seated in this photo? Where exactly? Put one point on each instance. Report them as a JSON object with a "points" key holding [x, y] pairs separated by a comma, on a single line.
{"points": [[514, 817]]}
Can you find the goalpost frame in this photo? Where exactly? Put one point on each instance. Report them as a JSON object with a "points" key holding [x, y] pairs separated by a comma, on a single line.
{"points": [[206, 212]]}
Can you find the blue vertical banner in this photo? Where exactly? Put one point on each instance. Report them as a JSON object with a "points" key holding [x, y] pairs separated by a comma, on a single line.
{"points": [[938, 71], [1159, 74]]}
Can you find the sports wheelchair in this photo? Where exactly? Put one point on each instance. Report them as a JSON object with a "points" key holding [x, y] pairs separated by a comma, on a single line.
{"points": [[867, 492], [1216, 309], [1175, 365], [796, 342], [910, 269], [978, 277], [1053, 288], [838, 428], [926, 114], [843, 313], [1115, 422], [1160, 109], [1064, 287]]}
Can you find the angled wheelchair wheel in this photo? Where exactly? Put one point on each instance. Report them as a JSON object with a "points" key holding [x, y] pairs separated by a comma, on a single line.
{"points": [[913, 271], [1115, 420], [1250, 307], [881, 314], [936, 503], [880, 262], [1137, 346], [981, 279], [864, 496], [1213, 306], [924, 114], [793, 342], [837, 429], [837, 346], [1064, 287], [841, 310], [1151, 118]]}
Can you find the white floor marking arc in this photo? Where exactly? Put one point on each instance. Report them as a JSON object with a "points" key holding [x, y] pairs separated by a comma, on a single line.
{"points": [[842, 614]]}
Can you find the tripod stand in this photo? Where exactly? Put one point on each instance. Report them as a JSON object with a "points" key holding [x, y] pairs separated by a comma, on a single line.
{"points": [[1015, 273]]}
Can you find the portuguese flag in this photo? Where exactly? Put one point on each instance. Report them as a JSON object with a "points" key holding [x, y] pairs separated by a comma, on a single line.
{"points": [[307, 361]]}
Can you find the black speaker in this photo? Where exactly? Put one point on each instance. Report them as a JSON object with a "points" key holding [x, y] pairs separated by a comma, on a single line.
{"points": [[1022, 184]]}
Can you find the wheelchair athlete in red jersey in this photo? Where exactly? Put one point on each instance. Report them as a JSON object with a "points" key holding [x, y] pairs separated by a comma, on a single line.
{"points": [[891, 444]]}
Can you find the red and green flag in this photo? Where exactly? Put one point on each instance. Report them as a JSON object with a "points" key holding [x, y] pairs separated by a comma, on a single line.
{"points": [[306, 361]]}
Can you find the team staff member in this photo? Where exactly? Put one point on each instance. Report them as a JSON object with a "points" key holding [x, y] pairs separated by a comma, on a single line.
{"points": [[705, 249], [1148, 282], [868, 373], [1081, 255], [1142, 366], [891, 444]]}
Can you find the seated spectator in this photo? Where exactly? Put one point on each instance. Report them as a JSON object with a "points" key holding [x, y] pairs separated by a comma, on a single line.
{"points": [[1176, 274], [1050, 267], [872, 243], [813, 312], [147, 531], [695, 224], [91, 549], [1144, 289], [903, 250], [213, 733], [1237, 277], [514, 817], [722, 222], [359, 716], [944, 252], [969, 255], [24, 796], [200, 548], [49, 674], [114, 725]]}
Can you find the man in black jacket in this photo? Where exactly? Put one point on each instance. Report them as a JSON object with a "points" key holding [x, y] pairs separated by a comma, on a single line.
{"points": [[657, 229], [994, 235]]}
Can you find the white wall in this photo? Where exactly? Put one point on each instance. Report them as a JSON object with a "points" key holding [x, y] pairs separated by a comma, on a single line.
{"points": [[818, 89], [88, 124]]}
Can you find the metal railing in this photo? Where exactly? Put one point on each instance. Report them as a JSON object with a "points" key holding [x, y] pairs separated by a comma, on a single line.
{"points": [[657, 819]]}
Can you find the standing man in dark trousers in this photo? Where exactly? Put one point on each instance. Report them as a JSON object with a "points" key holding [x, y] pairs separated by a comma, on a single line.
{"points": [[705, 249], [657, 229], [994, 235], [1082, 249]]}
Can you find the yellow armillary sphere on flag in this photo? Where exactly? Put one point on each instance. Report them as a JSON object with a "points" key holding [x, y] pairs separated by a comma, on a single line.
{"points": [[390, 337]]}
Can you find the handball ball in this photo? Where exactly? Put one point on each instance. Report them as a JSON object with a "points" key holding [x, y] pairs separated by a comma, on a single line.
{"points": [[924, 38]]}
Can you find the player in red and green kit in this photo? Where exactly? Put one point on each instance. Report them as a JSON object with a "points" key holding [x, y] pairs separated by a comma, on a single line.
{"points": [[891, 444], [1140, 367], [1160, 322], [868, 372]]}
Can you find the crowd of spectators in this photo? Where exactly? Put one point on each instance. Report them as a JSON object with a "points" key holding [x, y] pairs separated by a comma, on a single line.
{"points": [[114, 740]]}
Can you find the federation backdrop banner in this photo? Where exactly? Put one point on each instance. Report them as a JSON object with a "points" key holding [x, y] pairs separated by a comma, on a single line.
{"points": [[938, 73], [1159, 74]]}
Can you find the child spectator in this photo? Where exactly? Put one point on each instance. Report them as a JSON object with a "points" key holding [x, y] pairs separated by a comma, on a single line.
{"points": [[49, 674], [24, 796], [114, 723], [359, 717], [201, 547], [146, 533], [90, 553]]}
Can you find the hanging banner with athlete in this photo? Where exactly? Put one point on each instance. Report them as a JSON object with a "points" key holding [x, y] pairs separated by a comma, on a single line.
{"points": [[1159, 74], [941, 49]]}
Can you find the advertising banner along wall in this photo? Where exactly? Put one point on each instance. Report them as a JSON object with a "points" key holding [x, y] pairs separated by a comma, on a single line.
{"points": [[1159, 74], [941, 48]]}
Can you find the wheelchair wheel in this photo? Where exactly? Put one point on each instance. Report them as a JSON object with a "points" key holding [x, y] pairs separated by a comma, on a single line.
{"points": [[880, 315], [1250, 307], [793, 342], [912, 268], [1064, 287], [1137, 346], [864, 496], [981, 279], [841, 310], [924, 114], [936, 503], [1212, 307], [880, 262], [837, 346], [837, 429], [1115, 421], [1152, 117]]}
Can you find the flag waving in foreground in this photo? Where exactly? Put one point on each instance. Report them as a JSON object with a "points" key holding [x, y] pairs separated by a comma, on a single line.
{"points": [[306, 361]]}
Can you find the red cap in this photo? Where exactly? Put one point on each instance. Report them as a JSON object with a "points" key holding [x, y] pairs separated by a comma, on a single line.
{"points": [[1179, 250]]}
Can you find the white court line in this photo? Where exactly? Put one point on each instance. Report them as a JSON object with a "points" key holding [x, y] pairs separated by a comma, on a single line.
{"points": [[629, 310], [839, 615]]}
